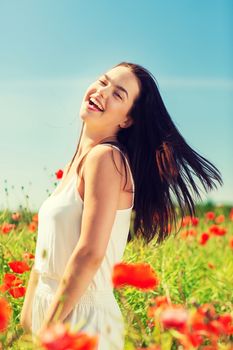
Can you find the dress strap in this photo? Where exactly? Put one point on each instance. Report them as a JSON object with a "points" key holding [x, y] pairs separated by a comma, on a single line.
{"points": [[126, 163]]}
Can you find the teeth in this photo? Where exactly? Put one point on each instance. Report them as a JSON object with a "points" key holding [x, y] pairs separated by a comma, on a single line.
{"points": [[96, 102]]}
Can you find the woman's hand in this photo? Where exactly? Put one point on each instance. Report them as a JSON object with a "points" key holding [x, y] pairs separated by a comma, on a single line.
{"points": [[39, 333], [42, 329]]}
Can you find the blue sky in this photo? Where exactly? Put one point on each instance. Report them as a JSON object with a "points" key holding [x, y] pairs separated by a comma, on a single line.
{"points": [[52, 50]]}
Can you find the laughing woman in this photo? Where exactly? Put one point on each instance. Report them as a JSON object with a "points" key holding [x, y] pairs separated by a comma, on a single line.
{"points": [[130, 155]]}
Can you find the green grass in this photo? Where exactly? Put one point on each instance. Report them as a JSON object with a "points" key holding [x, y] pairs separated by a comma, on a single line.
{"points": [[180, 264]]}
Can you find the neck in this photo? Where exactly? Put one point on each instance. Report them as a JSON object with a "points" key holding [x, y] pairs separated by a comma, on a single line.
{"points": [[89, 140]]}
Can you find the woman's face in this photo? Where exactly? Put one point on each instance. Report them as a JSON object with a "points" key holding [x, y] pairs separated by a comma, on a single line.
{"points": [[115, 91]]}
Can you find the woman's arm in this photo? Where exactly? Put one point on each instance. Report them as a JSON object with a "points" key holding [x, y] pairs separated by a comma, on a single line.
{"points": [[26, 312], [102, 189]]}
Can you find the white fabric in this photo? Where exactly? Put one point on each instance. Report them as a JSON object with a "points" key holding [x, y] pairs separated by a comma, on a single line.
{"points": [[59, 227]]}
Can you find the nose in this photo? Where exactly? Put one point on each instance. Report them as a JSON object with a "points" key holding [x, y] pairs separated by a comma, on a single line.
{"points": [[103, 91]]}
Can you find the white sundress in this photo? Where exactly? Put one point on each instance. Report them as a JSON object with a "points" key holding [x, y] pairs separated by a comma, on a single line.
{"points": [[59, 223]]}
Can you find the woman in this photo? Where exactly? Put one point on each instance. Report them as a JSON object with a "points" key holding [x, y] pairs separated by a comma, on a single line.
{"points": [[84, 225]]}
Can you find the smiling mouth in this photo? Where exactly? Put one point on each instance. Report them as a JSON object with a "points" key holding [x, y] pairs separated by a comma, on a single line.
{"points": [[91, 106]]}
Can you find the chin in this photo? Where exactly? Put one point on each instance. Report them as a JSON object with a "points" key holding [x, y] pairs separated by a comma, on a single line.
{"points": [[85, 116], [83, 112]]}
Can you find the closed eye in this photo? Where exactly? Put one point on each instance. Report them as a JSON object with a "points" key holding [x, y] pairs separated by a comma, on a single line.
{"points": [[102, 82], [118, 95]]}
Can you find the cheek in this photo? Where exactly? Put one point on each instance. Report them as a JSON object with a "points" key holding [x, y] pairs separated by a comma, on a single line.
{"points": [[117, 105]]}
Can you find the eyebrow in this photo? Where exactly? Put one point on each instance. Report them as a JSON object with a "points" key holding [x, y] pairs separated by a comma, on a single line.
{"points": [[118, 86]]}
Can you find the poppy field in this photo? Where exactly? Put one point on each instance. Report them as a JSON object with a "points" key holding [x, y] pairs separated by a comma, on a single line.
{"points": [[174, 295]]}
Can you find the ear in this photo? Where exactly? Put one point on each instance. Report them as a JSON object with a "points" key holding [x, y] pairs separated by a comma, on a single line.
{"points": [[127, 123]]}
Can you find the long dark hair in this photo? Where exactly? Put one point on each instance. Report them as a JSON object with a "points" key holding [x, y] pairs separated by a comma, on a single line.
{"points": [[161, 161]]}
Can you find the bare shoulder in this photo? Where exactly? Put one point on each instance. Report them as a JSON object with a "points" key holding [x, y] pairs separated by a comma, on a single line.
{"points": [[102, 174], [104, 157]]}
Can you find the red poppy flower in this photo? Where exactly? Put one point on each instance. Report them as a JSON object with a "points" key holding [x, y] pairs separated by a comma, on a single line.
{"points": [[226, 323], [210, 215], [140, 275], [35, 218], [186, 220], [193, 339], [6, 227], [5, 314], [219, 219], [197, 326], [83, 341], [161, 302], [17, 292], [192, 232], [28, 255], [16, 216], [231, 214], [194, 221], [188, 233], [10, 280], [189, 220], [207, 310], [217, 231], [174, 317], [32, 227], [222, 231], [214, 328], [59, 174], [205, 320], [57, 336], [204, 238], [184, 234], [19, 266]]}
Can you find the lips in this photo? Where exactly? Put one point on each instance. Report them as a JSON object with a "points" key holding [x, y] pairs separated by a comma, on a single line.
{"points": [[96, 99], [92, 107]]}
